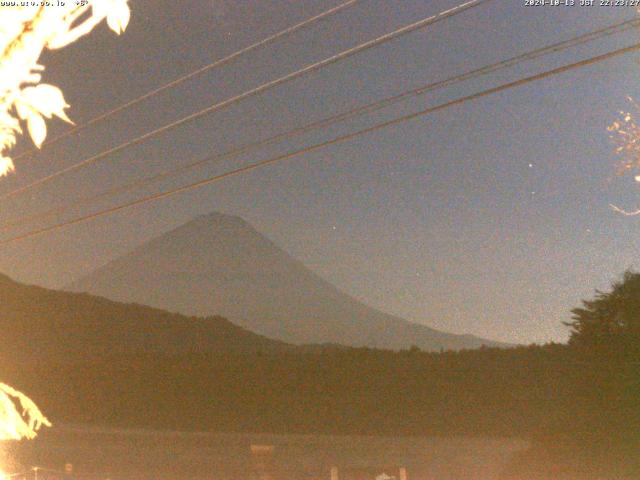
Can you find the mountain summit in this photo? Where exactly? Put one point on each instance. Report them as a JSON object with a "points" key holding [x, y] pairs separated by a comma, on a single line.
{"points": [[219, 264]]}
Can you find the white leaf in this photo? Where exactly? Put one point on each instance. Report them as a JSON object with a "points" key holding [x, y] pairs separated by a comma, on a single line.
{"points": [[24, 111], [118, 16], [100, 8], [46, 99], [37, 128], [6, 166]]}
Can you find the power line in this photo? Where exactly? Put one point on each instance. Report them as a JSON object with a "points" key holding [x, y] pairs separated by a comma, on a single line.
{"points": [[317, 146], [369, 108], [218, 63], [257, 90]]}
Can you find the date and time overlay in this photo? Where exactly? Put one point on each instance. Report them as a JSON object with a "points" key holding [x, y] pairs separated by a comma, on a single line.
{"points": [[582, 3], [526, 3]]}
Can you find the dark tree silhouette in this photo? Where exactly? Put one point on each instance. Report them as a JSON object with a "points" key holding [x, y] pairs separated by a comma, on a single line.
{"points": [[611, 321]]}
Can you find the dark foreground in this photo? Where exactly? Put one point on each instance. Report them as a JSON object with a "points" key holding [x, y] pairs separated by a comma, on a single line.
{"points": [[578, 403], [141, 455]]}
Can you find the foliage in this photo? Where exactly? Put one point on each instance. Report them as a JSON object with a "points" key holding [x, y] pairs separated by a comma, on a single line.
{"points": [[13, 425], [611, 321], [625, 133], [25, 31]]}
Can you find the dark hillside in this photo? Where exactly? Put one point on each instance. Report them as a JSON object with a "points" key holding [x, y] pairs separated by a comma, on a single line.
{"points": [[59, 326]]}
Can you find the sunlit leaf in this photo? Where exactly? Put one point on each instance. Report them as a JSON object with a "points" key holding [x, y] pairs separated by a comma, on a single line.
{"points": [[6, 166], [13, 424], [23, 110], [118, 16], [37, 128], [46, 99], [20, 91]]}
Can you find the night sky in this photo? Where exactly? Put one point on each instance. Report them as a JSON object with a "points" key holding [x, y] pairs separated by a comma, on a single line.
{"points": [[490, 218]]}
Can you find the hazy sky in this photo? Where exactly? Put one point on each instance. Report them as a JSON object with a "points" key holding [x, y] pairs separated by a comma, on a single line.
{"points": [[489, 218]]}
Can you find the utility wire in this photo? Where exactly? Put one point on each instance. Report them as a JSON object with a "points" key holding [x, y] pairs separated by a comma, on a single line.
{"points": [[369, 108], [257, 90], [339, 139], [218, 63]]}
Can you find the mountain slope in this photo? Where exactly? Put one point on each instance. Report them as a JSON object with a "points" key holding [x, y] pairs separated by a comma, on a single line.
{"points": [[218, 264], [52, 325]]}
